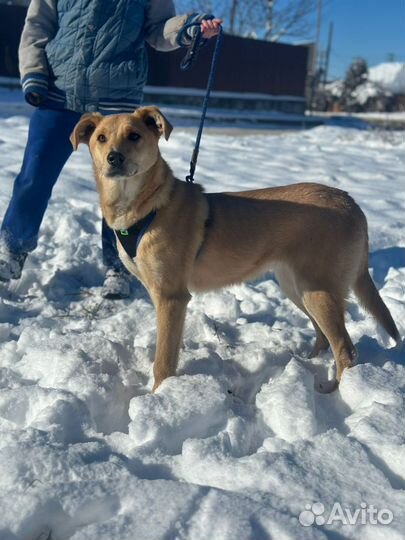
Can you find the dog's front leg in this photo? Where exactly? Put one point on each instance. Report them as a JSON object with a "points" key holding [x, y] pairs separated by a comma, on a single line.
{"points": [[170, 314]]}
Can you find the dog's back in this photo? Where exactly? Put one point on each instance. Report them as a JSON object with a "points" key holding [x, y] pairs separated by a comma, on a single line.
{"points": [[318, 230]]}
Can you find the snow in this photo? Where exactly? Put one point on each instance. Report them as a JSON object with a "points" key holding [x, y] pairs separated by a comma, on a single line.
{"points": [[279, 408], [241, 442], [390, 76], [364, 91], [390, 118], [379, 85], [335, 88], [185, 408]]}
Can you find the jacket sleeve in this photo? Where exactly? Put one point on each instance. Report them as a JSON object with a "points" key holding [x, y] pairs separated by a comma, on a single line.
{"points": [[41, 25], [164, 30]]}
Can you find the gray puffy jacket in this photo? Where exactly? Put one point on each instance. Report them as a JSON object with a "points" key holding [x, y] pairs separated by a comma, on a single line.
{"points": [[90, 55]]}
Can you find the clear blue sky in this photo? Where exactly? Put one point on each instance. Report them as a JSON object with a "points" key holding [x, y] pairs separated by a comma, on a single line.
{"points": [[369, 28], [372, 29]]}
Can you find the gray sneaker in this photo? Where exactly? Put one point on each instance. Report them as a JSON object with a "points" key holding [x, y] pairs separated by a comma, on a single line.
{"points": [[117, 285], [11, 264]]}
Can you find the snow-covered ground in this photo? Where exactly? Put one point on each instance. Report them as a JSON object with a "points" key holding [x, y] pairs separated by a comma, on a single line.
{"points": [[382, 116], [239, 446]]}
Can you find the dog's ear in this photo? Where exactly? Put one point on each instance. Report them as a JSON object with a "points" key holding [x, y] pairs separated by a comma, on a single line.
{"points": [[84, 129], [155, 120]]}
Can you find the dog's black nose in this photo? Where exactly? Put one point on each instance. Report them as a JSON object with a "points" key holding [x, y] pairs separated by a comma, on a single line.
{"points": [[116, 159]]}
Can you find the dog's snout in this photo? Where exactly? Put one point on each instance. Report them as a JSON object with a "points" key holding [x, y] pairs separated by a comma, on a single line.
{"points": [[116, 159]]}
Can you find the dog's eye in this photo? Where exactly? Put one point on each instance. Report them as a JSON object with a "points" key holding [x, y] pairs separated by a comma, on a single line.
{"points": [[133, 136], [102, 138]]}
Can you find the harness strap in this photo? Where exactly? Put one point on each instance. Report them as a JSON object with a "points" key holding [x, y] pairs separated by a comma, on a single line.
{"points": [[131, 238]]}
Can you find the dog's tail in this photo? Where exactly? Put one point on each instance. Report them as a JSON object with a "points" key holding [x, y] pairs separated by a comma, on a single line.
{"points": [[369, 297]]}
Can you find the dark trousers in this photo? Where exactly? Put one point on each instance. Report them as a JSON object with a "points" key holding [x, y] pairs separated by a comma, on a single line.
{"points": [[48, 148]]}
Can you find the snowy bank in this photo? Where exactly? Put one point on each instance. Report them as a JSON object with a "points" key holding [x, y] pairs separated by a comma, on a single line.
{"points": [[390, 76]]}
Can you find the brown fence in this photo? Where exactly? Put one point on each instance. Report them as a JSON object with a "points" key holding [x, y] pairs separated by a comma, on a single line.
{"points": [[245, 65]]}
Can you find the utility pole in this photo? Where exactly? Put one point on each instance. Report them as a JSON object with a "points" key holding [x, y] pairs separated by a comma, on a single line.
{"points": [[328, 51], [232, 15], [314, 67], [270, 7], [318, 32]]}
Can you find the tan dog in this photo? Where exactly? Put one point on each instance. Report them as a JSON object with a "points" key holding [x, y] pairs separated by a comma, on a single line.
{"points": [[314, 237]]}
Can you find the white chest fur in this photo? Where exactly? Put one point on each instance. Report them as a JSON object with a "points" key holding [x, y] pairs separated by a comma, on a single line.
{"points": [[123, 191]]}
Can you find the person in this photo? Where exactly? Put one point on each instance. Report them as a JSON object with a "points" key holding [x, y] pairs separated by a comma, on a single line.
{"points": [[78, 57]]}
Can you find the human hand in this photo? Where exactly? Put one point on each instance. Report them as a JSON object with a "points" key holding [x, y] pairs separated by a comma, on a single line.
{"points": [[35, 99], [210, 27]]}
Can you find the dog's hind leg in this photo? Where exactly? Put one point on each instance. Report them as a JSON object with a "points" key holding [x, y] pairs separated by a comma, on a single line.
{"points": [[321, 342], [170, 314], [291, 288], [328, 313]]}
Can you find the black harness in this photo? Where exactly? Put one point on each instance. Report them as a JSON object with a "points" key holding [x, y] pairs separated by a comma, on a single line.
{"points": [[130, 238]]}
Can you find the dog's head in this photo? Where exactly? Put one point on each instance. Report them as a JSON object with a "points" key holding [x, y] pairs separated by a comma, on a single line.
{"points": [[122, 145]]}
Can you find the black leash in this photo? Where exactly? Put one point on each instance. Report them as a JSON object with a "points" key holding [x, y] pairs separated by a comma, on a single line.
{"points": [[186, 63]]}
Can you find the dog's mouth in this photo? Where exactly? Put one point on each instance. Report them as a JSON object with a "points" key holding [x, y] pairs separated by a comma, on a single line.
{"points": [[116, 173]]}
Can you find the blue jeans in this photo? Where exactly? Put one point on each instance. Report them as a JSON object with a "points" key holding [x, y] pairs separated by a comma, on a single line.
{"points": [[48, 148]]}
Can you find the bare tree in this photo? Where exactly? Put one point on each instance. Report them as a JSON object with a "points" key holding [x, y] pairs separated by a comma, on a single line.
{"points": [[237, 14], [267, 19], [289, 18]]}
